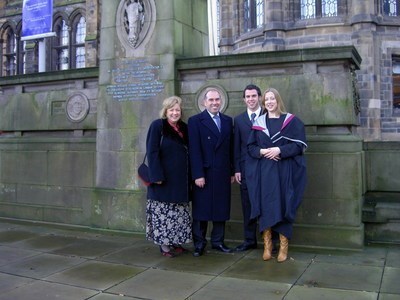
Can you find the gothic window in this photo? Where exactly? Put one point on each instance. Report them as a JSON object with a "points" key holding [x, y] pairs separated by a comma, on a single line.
{"points": [[78, 42], [253, 14], [9, 52], [60, 49], [391, 8], [396, 82], [311, 9]]}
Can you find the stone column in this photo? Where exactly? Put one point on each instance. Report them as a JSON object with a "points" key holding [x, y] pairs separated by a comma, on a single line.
{"points": [[274, 26], [140, 42], [92, 32], [367, 42]]}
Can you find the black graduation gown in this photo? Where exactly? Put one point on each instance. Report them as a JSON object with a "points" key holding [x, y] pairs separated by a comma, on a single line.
{"points": [[276, 187]]}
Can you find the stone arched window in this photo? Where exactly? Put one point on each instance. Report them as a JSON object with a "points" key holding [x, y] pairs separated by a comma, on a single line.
{"points": [[17, 56], [60, 58], [315, 9], [9, 53], [391, 8], [253, 14], [78, 35], [311, 9]]}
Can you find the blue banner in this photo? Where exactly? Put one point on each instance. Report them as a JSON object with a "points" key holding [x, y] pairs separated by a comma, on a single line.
{"points": [[37, 19]]}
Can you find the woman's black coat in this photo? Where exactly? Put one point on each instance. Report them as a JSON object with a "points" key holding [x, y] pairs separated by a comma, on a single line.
{"points": [[168, 160]]}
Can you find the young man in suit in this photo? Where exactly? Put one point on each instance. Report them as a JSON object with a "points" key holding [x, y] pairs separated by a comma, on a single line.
{"points": [[210, 153], [242, 128]]}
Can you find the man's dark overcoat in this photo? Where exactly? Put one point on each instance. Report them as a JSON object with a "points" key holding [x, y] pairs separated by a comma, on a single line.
{"points": [[211, 157]]}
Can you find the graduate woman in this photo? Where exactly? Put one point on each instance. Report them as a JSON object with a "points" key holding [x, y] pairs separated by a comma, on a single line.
{"points": [[276, 171]]}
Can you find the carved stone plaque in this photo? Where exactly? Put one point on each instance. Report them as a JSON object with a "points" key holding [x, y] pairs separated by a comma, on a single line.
{"points": [[77, 107], [201, 93]]}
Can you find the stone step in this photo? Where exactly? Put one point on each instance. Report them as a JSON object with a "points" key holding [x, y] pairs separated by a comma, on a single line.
{"points": [[381, 212], [381, 217], [387, 233], [380, 207]]}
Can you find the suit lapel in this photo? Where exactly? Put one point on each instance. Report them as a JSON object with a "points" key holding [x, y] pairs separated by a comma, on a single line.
{"points": [[246, 120], [209, 123], [225, 126]]}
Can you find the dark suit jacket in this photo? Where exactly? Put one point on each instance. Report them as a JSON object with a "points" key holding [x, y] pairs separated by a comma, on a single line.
{"points": [[242, 130], [211, 157]]}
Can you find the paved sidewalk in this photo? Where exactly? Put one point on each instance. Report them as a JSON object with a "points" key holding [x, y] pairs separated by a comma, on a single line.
{"points": [[40, 262]]}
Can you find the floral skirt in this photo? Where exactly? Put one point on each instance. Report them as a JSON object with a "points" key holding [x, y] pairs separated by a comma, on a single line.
{"points": [[168, 223]]}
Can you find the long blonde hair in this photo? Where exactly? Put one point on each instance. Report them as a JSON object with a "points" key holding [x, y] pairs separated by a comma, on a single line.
{"points": [[168, 103], [281, 106]]}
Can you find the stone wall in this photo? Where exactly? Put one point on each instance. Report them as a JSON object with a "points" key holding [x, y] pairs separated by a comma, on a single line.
{"points": [[308, 80], [358, 23]]}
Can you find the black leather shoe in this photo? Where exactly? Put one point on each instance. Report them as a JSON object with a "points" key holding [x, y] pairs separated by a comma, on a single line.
{"points": [[198, 252], [245, 247], [222, 248]]}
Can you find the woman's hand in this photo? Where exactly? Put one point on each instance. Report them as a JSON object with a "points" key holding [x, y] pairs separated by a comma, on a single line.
{"points": [[200, 182], [271, 153]]}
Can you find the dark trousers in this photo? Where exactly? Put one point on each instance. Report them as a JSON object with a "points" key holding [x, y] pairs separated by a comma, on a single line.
{"points": [[249, 225], [200, 230]]}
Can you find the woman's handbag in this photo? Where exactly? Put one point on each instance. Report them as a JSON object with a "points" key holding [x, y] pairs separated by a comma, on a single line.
{"points": [[143, 172]]}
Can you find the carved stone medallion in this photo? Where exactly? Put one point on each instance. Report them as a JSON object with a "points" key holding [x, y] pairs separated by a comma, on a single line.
{"points": [[77, 107], [201, 93]]}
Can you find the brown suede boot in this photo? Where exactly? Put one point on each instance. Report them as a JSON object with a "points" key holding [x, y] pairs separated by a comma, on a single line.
{"points": [[283, 248], [267, 237]]}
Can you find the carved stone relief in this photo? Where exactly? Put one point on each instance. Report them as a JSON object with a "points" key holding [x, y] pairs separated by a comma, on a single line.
{"points": [[77, 107], [135, 21], [201, 93]]}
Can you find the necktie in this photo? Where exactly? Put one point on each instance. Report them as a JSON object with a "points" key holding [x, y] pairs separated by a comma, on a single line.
{"points": [[217, 121], [253, 116]]}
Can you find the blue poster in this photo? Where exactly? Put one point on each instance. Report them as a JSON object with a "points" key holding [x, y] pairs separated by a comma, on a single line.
{"points": [[37, 19]]}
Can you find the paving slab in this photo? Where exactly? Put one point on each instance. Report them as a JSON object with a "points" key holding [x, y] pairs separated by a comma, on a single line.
{"points": [[89, 248], [384, 296], [292, 255], [106, 296], [367, 257], [95, 275], [10, 282], [41, 266], [211, 263], [10, 254], [12, 236], [342, 276], [162, 285], [143, 253], [41, 290], [315, 293], [393, 258], [256, 269], [46, 242], [391, 281], [231, 288]]}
